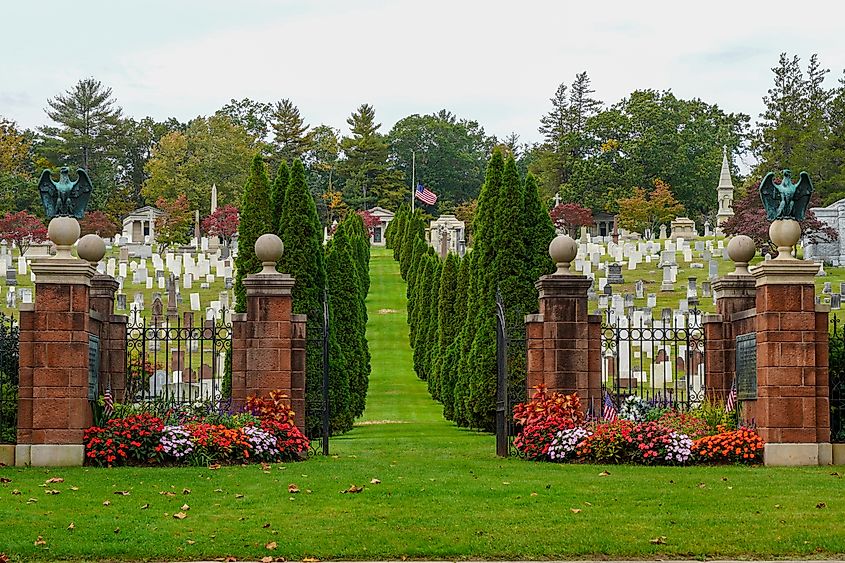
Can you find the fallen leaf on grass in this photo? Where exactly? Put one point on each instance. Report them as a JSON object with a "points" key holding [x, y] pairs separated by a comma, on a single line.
{"points": [[74, 488], [122, 493], [310, 560], [4, 558], [353, 489], [575, 510], [5, 480], [117, 530], [660, 540], [145, 506], [190, 542], [186, 491], [588, 503], [604, 474], [167, 493], [106, 503], [32, 500], [821, 505], [184, 508], [778, 506], [375, 481], [266, 525], [214, 466], [271, 545], [265, 466], [267, 559], [40, 541], [293, 489], [180, 515], [702, 486], [533, 494], [218, 490], [71, 527], [52, 492], [836, 474], [239, 495], [16, 492], [54, 480]]}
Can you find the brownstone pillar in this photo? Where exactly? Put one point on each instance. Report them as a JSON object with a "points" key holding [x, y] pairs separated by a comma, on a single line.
{"points": [[112, 335], [268, 341], [735, 299], [792, 408], [53, 408]]}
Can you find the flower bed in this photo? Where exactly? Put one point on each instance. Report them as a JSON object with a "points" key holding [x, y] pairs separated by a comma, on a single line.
{"points": [[553, 429], [197, 435]]}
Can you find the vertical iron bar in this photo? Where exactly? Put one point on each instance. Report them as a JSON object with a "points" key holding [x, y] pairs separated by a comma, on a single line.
{"points": [[502, 441], [326, 406]]}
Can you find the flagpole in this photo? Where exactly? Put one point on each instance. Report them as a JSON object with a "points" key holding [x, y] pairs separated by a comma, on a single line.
{"points": [[413, 178]]}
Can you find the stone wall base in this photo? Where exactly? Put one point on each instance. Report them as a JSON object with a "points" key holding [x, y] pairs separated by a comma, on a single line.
{"points": [[7, 454], [838, 454], [795, 454], [49, 455]]}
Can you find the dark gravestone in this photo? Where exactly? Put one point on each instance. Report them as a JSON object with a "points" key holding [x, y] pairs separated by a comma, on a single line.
{"points": [[614, 273], [11, 277], [746, 367], [121, 301]]}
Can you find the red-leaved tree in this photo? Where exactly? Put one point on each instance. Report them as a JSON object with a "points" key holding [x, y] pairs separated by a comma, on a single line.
{"points": [[571, 216], [750, 219], [174, 227], [23, 229], [98, 223], [222, 223], [370, 221]]}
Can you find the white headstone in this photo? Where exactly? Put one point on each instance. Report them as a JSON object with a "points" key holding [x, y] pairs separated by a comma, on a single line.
{"points": [[187, 281], [21, 266], [195, 302]]}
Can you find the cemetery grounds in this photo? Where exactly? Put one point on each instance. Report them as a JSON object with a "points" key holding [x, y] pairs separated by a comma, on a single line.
{"points": [[407, 484]]}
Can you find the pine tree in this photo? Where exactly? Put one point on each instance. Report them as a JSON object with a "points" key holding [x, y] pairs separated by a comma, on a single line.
{"points": [[452, 310], [277, 194], [303, 259], [290, 133], [255, 220]]}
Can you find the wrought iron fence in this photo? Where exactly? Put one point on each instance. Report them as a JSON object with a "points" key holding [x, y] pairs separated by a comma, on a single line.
{"points": [[317, 354], [177, 360], [660, 360], [511, 369], [9, 362], [836, 374]]}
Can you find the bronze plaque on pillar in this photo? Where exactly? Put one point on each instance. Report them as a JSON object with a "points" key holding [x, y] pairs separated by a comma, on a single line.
{"points": [[746, 367], [93, 367]]}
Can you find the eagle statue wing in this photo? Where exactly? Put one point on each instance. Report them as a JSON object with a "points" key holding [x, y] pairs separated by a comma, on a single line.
{"points": [[801, 199], [49, 193], [771, 197], [81, 193]]}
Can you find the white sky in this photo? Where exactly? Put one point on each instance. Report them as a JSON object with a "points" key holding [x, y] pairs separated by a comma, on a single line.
{"points": [[493, 61]]}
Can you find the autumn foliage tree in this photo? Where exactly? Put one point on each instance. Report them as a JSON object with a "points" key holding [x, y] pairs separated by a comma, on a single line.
{"points": [[222, 223], [23, 229], [648, 210], [370, 221], [750, 219], [98, 223], [571, 216], [174, 226]]}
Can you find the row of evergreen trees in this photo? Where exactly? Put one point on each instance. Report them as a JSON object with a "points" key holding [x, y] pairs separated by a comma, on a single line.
{"points": [[340, 269], [452, 302]]}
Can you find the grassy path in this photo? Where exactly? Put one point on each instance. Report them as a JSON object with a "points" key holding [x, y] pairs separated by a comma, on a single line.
{"points": [[430, 490]]}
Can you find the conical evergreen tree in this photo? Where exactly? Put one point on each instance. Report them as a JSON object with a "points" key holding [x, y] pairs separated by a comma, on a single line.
{"points": [[431, 348], [277, 194], [255, 220], [539, 232], [451, 311], [422, 289], [415, 229], [303, 259], [459, 363], [419, 253]]}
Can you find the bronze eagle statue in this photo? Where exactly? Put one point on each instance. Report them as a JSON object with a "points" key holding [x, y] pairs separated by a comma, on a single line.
{"points": [[65, 198], [786, 200]]}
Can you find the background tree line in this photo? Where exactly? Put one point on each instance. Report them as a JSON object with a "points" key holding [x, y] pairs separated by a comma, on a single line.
{"points": [[592, 153]]}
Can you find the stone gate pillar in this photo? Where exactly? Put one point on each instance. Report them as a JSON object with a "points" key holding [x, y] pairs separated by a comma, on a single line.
{"points": [[55, 352], [564, 340], [268, 351]]}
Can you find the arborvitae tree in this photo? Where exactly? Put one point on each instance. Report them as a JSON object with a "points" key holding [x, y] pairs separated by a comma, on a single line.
{"points": [[360, 239], [419, 252], [277, 193], [452, 310], [539, 232], [459, 361], [414, 229], [445, 333], [347, 323], [431, 342], [391, 231], [303, 259], [481, 296], [419, 324], [397, 232], [255, 220]]}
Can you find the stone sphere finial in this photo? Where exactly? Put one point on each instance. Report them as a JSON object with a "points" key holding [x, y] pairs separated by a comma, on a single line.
{"points": [[91, 248], [269, 249], [63, 232], [785, 234], [563, 249], [741, 250]]}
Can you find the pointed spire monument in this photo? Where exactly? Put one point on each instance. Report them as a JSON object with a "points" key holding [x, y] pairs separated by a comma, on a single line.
{"points": [[725, 193]]}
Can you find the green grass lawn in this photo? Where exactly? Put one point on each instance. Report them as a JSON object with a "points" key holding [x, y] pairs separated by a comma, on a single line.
{"points": [[442, 494]]}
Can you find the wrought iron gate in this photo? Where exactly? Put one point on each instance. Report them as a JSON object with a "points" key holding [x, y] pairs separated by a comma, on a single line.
{"points": [[9, 362], [511, 365]]}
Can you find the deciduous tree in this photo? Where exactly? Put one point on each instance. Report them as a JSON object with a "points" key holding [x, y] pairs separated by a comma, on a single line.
{"points": [[174, 226], [98, 223], [648, 210], [223, 223], [571, 217], [22, 229]]}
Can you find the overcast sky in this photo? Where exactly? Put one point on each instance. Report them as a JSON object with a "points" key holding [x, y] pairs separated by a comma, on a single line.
{"points": [[495, 62]]}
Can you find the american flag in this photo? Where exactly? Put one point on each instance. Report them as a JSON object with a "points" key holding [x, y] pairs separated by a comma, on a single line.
{"points": [[108, 403], [608, 411], [730, 403], [425, 195]]}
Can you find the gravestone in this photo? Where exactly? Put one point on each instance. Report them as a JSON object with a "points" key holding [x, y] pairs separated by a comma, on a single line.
{"points": [[683, 305], [699, 246], [157, 309], [827, 288], [121, 301], [712, 269], [667, 284], [124, 254], [26, 294], [614, 273], [651, 300], [662, 231], [835, 301], [707, 255], [638, 289], [11, 298], [195, 302], [608, 289], [228, 283], [11, 277], [139, 299], [705, 289]]}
